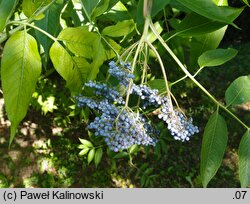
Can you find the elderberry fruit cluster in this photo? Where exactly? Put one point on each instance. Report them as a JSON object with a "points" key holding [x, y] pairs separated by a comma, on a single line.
{"points": [[123, 75], [103, 90], [121, 127], [179, 126], [149, 96]]}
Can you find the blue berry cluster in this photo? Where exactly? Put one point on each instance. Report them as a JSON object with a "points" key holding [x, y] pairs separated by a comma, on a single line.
{"points": [[149, 96], [122, 127], [123, 74], [102, 89], [179, 126]]}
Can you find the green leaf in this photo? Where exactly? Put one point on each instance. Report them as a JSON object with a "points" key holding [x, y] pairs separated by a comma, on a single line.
{"points": [[143, 179], [239, 91], [84, 45], [149, 171], [151, 36], [112, 3], [100, 9], [91, 155], [133, 149], [95, 8], [214, 144], [81, 146], [179, 7], [31, 7], [86, 143], [98, 156], [90, 5], [178, 45], [203, 43], [70, 15], [117, 13], [6, 9], [209, 9], [109, 53], [158, 5], [84, 151], [221, 2], [79, 41], [121, 155], [20, 69], [99, 56], [85, 68], [216, 57], [244, 160], [122, 28], [246, 2], [51, 24], [158, 84], [164, 146], [68, 67], [194, 24]]}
